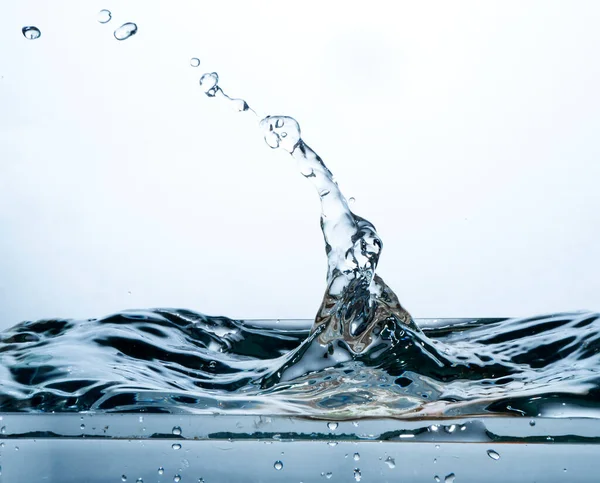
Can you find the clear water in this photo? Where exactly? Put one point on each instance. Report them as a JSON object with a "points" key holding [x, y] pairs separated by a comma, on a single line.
{"points": [[362, 357]]}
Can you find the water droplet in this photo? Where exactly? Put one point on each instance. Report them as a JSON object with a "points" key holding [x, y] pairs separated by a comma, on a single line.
{"points": [[279, 123], [104, 16], [434, 460], [278, 465], [357, 474], [355, 424], [194, 61], [200, 480], [82, 426], [3, 429], [176, 430], [123, 478], [332, 443], [176, 446], [449, 478], [210, 83], [436, 478], [492, 454], [391, 462], [437, 446], [356, 456], [177, 478], [328, 475], [161, 470], [141, 419], [212, 364], [125, 31], [450, 429], [332, 426], [16, 448], [139, 480], [31, 32], [532, 422], [352, 199]]}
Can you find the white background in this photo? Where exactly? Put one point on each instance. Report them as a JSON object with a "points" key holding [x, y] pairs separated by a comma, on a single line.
{"points": [[467, 131]]}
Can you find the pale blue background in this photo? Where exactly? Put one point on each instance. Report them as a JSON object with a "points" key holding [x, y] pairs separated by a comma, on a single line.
{"points": [[467, 131]]}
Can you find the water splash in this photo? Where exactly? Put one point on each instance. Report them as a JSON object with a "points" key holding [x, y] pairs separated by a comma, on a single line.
{"points": [[363, 355], [31, 32]]}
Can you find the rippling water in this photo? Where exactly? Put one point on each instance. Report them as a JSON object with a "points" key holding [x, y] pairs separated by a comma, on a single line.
{"points": [[363, 356], [179, 361]]}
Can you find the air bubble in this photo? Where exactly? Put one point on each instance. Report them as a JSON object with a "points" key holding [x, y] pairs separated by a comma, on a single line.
{"points": [[125, 31], [176, 446], [31, 32], [278, 465], [332, 426], [449, 478], [356, 456], [194, 61], [391, 462], [493, 454], [104, 16], [357, 474], [176, 431]]}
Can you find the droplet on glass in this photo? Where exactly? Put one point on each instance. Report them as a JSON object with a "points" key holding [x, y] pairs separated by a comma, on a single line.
{"points": [[30, 32], [532, 422], [356, 456], [104, 16], [357, 474], [328, 475], [176, 446], [194, 61], [125, 31], [123, 478], [449, 478], [176, 430], [391, 462], [177, 478], [332, 426], [492, 454], [278, 465], [161, 470]]}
